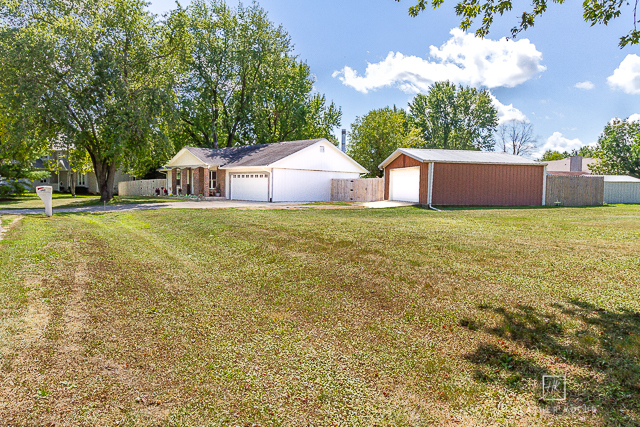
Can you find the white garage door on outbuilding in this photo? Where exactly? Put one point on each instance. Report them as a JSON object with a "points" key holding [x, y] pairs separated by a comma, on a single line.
{"points": [[250, 186], [404, 184]]}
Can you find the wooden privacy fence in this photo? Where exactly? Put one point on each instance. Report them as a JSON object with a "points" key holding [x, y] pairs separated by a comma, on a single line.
{"points": [[357, 190], [143, 187], [574, 190]]}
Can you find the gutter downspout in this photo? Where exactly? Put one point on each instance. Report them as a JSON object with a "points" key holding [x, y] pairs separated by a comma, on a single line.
{"points": [[544, 186], [270, 189], [430, 187]]}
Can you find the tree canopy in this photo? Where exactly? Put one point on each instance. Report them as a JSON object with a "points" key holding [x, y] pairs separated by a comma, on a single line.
{"points": [[585, 151], [241, 82], [451, 117], [618, 149], [379, 133], [594, 12], [98, 72]]}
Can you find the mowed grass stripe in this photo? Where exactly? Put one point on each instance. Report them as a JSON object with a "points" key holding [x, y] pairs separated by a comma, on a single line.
{"points": [[357, 317]]}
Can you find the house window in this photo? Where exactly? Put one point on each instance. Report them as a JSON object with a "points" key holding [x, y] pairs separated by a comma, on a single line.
{"points": [[322, 148], [82, 180], [178, 176], [212, 179]]}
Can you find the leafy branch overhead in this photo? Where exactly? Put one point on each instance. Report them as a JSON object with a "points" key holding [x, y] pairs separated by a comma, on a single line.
{"points": [[594, 12]]}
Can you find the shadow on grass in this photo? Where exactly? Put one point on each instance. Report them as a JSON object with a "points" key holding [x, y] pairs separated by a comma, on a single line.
{"points": [[601, 356]]}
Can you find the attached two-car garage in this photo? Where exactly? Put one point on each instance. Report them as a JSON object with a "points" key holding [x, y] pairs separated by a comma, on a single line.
{"points": [[463, 178]]}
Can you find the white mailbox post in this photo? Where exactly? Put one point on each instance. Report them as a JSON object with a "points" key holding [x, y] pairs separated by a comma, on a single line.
{"points": [[45, 193]]}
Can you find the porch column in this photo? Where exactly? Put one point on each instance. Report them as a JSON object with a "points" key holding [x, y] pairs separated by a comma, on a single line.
{"points": [[184, 180], [174, 181]]}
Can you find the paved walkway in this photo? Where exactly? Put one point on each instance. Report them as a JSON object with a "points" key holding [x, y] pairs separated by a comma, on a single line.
{"points": [[218, 204]]}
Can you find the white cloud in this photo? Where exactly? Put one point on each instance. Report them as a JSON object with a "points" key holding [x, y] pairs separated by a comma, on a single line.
{"points": [[634, 118], [627, 76], [559, 142], [585, 85], [507, 113], [464, 59]]}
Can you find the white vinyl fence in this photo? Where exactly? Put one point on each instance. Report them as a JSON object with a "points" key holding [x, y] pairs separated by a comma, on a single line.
{"points": [[143, 187], [621, 192]]}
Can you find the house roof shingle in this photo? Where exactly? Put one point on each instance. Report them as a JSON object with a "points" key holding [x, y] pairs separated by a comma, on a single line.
{"points": [[250, 155]]}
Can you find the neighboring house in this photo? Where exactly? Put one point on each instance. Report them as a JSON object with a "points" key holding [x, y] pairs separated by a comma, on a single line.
{"points": [[570, 166], [617, 188], [288, 171], [463, 177], [60, 178]]}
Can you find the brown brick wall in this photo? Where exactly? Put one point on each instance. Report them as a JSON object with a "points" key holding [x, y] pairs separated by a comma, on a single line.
{"points": [[205, 182], [221, 180]]}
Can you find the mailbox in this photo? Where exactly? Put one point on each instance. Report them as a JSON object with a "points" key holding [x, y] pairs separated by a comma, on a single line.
{"points": [[45, 193]]}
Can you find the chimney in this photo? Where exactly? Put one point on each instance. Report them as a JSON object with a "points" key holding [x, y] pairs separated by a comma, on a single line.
{"points": [[343, 146], [575, 164]]}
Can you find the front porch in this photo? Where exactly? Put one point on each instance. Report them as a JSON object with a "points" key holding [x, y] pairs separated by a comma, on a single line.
{"points": [[197, 181]]}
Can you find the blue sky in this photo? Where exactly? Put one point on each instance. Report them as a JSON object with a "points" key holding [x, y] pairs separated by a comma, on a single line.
{"points": [[371, 54]]}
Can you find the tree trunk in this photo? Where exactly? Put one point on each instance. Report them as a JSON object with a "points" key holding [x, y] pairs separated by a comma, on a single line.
{"points": [[72, 186], [214, 134], [105, 175]]}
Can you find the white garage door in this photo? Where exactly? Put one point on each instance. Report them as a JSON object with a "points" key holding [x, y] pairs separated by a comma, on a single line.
{"points": [[250, 186], [404, 184]]}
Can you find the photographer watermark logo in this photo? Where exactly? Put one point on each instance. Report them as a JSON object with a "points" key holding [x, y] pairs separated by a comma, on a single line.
{"points": [[554, 387]]}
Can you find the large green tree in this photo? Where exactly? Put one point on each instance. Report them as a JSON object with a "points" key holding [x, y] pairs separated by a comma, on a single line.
{"points": [[241, 82], [594, 12], [98, 72], [451, 117], [551, 155], [379, 133], [618, 149]]}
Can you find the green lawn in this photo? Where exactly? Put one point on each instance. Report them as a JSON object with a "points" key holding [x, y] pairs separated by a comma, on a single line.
{"points": [[64, 200], [321, 317]]}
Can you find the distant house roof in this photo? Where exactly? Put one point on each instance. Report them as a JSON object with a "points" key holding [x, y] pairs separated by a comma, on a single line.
{"points": [[459, 156], [567, 173], [249, 155], [564, 165], [620, 178], [39, 164]]}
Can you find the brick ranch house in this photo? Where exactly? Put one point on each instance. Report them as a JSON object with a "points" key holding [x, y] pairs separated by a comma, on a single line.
{"points": [[279, 172]]}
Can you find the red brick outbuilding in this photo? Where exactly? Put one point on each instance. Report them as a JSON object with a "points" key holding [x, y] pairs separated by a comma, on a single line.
{"points": [[464, 178]]}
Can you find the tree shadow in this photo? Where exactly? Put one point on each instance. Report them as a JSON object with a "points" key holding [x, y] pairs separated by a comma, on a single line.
{"points": [[598, 350]]}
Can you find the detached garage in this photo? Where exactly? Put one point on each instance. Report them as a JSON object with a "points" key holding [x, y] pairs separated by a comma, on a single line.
{"points": [[291, 171], [463, 177]]}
